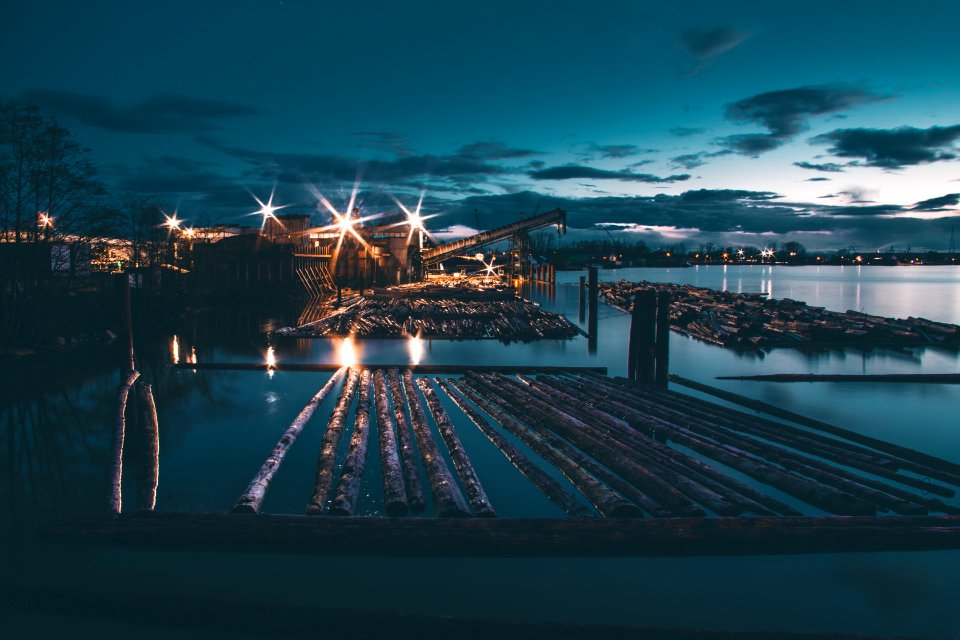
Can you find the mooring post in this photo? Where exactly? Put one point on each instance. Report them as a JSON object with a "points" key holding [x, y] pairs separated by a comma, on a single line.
{"points": [[583, 298], [663, 339], [641, 350], [594, 290], [126, 321]]}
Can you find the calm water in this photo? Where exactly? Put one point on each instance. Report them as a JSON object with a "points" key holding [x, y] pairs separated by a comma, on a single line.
{"points": [[216, 428]]}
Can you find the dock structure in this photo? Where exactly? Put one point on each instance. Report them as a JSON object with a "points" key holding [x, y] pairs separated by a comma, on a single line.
{"points": [[636, 469]]}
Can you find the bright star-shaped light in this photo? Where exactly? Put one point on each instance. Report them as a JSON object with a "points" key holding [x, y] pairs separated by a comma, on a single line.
{"points": [[45, 221], [172, 222], [267, 209], [414, 220]]}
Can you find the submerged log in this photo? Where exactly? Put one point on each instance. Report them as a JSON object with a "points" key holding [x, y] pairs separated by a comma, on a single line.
{"points": [[479, 502], [252, 498], [552, 489], [150, 459], [394, 495], [447, 498], [119, 435], [348, 489], [327, 459], [408, 450]]}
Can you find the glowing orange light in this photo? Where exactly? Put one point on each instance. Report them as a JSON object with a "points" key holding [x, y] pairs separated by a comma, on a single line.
{"points": [[45, 221], [172, 222], [415, 348], [175, 349], [347, 352]]}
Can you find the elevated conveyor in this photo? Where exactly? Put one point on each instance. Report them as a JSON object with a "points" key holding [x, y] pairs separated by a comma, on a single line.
{"points": [[435, 255]]}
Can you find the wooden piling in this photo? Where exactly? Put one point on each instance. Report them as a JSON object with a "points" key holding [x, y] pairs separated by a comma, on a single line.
{"points": [[406, 441], [327, 459], [593, 292], [662, 349], [119, 435], [348, 488], [447, 497], [252, 498], [394, 495], [479, 502], [583, 298], [640, 352], [150, 458]]}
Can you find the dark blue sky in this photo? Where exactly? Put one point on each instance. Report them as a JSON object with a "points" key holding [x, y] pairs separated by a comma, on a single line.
{"points": [[831, 123]]}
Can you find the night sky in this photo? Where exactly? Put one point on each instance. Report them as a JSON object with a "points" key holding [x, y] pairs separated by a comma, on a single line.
{"points": [[743, 123]]}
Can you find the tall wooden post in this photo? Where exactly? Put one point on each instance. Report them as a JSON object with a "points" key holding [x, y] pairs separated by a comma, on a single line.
{"points": [[583, 298], [641, 350], [126, 321], [594, 291], [663, 339]]}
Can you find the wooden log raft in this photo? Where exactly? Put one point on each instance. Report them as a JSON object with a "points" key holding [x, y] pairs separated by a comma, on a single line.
{"points": [[603, 448], [479, 502], [394, 495], [552, 489], [447, 497], [119, 435], [408, 450], [595, 392], [592, 480], [252, 498], [150, 459], [327, 459], [348, 489]]}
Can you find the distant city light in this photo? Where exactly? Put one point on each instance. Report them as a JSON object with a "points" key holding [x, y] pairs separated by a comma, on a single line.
{"points": [[172, 222], [267, 209], [45, 221]]}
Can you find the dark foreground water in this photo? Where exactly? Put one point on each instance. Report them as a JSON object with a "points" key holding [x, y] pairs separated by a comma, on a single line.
{"points": [[217, 427]]}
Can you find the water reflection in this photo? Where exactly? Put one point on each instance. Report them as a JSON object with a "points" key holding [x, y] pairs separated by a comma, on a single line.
{"points": [[347, 352], [415, 348], [271, 361], [175, 349]]}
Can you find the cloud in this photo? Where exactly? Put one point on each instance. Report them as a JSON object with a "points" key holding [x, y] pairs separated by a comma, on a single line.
{"points": [[494, 150], [164, 113], [685, 132], [572, 171], [893, 148], [617, 151], [828, 167], [938, 204], [785, 114], [698, 159], [705, 45]]}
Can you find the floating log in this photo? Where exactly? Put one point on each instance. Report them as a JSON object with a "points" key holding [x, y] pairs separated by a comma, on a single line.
{"points": [[348, 489], [739, 493], [419, 368], [150, 459], [592, 480], [119, 434], [327, 459], [938, 378], [921, 462], [605, 449], [552, 489], [642, 449], [479, 502], [749, 321], [845, 453], [447, 498], [406, 440], [252, 498], [514, 536], [394, 495]]}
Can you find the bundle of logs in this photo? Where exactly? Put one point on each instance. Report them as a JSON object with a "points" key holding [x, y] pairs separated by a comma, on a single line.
{"points": [[752, 321], [626, 450], [435, 311]]}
